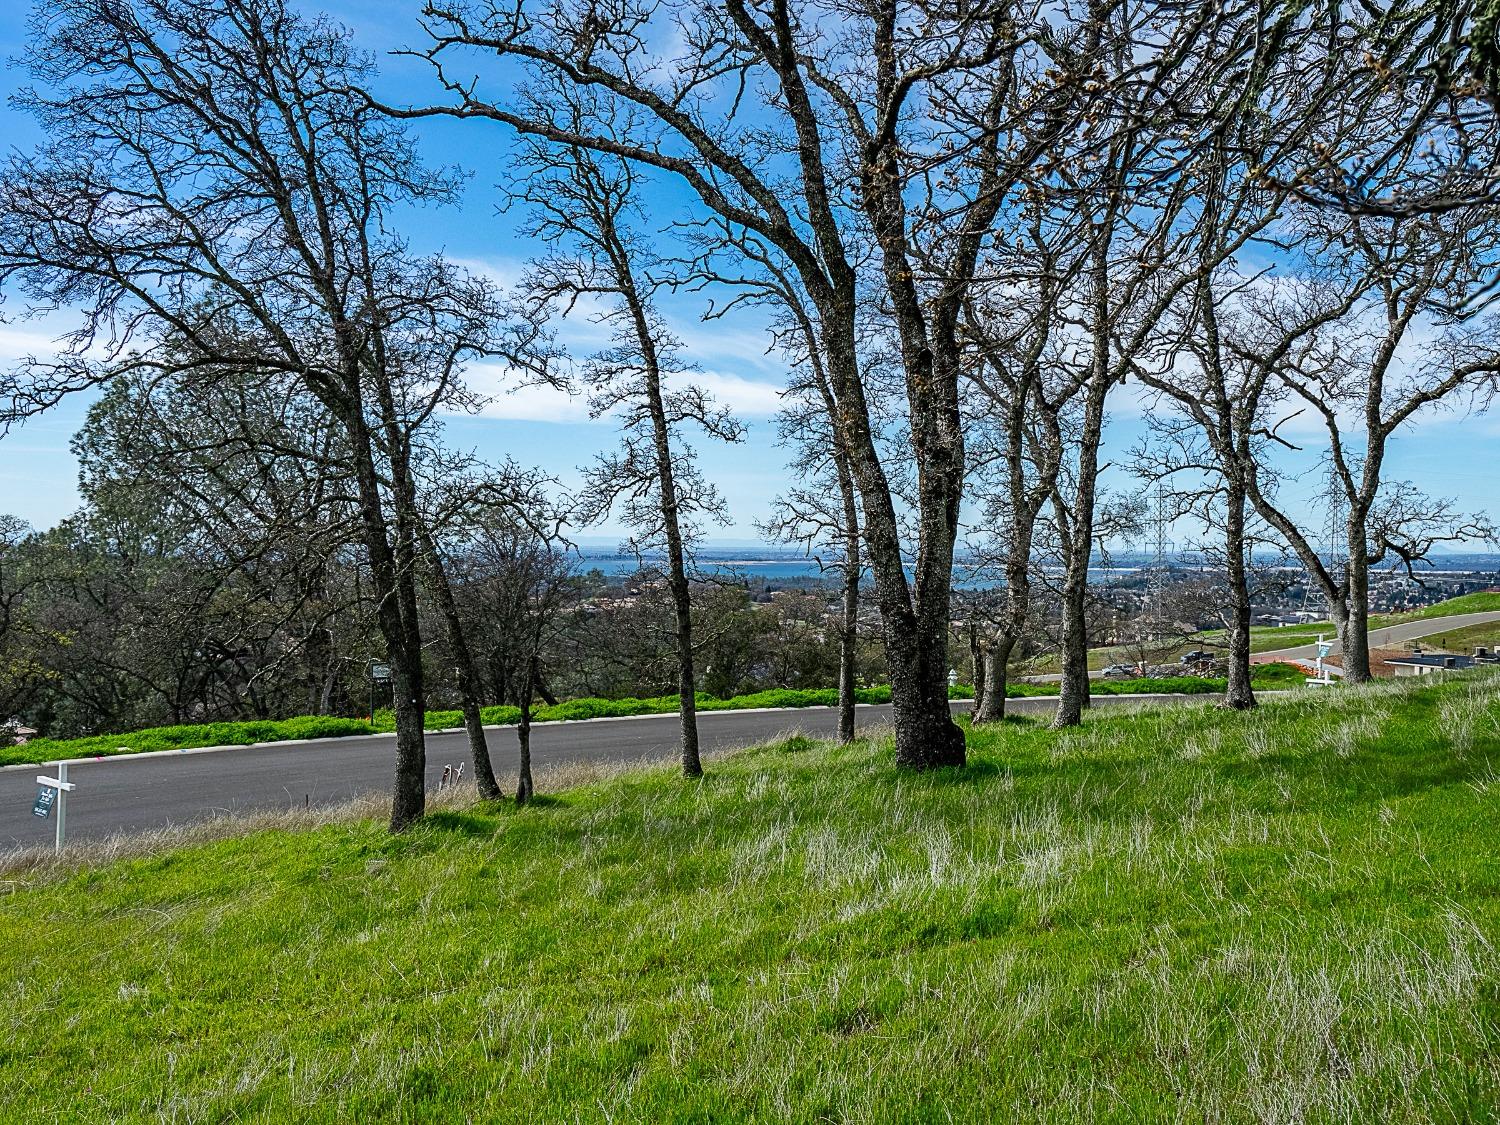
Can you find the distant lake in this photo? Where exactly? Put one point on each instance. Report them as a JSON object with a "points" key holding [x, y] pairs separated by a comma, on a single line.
{"points": [[773, 566], [779, 566]]}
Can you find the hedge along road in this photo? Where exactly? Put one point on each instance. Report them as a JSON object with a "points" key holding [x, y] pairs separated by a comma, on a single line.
{"points": [[137, 793]]}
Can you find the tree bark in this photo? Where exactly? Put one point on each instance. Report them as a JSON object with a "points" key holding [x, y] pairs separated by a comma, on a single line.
{"points": [[1239, 695], [849, 648], [853, 567], [525, 787], [395, 612], [977, 657], [466, 673], [1073, 691], [997, 677], [677, 579], [1078, 525], [913, 615], [1354, 630]]}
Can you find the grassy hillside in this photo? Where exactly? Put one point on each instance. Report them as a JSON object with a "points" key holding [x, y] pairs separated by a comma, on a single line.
{"points": [[1467, 639], [1180, 914]]}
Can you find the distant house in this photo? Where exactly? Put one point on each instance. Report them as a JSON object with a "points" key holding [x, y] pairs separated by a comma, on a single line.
{"points": [[1287, 617], [1426, 663], [18, 734]]}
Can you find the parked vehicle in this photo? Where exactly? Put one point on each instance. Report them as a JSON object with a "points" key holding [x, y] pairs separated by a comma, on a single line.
{"points": [[1120, 670]]}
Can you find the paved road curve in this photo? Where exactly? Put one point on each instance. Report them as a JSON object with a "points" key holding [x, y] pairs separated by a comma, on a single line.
{"points": [[136, 794], [1389, 635]]}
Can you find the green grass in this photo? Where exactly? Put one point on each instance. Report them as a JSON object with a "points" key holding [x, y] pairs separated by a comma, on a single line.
{"points": [[184, 737], [1174, 915], [1465, 640], [1483, 602], [234, 734], [1263, 638], [1270, 677], [573, 710]]}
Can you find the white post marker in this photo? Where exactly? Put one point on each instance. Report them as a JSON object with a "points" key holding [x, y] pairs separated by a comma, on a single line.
{"points": [[1323, 678], [54, 790]]}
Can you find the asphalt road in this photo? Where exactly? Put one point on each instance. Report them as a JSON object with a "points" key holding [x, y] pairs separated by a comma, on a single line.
{"points": [[134, 794], [1391, 634]]}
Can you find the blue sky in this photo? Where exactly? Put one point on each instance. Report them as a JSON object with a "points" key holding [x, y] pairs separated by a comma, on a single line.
{"points": [[1449, 455]]}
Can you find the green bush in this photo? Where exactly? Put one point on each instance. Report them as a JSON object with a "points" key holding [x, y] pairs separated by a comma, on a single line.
{"points": [[186, 737], [572, 710]]}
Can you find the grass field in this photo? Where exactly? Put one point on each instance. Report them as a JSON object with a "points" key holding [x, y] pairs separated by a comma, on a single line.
{"points": [[1465, 640], [1263, 638], [1483, 602], [1175, 915]]}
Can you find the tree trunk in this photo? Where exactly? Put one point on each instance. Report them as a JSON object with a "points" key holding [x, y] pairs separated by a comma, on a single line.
{"points": [[926, 735], [671, 517], [914, 620], [853, 567], [849, 647], [913, 615], [525, 789], [682, 602], [395, 611], [1239, 695], [1078, 539], [997, 677], [977, 658], [466, 674], [1073, 691], [1354, 630], [687, 703]]}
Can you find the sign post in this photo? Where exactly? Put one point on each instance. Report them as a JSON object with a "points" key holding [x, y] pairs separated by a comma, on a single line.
{"points": [[1324, 648], [54, 793], [379, 674]]}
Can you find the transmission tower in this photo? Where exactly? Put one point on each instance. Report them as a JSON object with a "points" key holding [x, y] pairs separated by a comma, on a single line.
{"points": [[1335, 546]]}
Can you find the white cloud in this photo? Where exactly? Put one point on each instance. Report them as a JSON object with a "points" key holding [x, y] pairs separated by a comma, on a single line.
{"points": [[40, 337], [504, 272], [748, 398], [510, 399]]}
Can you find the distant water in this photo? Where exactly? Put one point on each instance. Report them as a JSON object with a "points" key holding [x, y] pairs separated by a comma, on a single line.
{"points": [[773, 566]]}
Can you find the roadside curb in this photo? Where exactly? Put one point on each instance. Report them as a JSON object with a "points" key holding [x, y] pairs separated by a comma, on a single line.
{"points": [[143, 755]]}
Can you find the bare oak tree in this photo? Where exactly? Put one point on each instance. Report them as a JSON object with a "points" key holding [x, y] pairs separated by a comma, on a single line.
{"points": [[903, 126], [213, 196], [583, 205]]}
